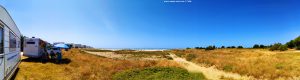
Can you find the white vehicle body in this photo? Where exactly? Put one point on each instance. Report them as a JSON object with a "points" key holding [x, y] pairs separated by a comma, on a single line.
{"points": [[10, 56], [33, 47], [56, 50]]}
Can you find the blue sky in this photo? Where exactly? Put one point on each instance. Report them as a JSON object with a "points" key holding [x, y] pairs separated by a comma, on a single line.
{"points": [[157, 24]]}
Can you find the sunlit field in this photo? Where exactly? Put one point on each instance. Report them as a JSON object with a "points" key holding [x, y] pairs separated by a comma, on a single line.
{"points": [[259, 63], [78, 65]]}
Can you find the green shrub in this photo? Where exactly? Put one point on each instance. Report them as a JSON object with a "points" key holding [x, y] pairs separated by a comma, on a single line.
{"points": [[262, 46], [158, 73], [210, 48], [233, 47], [223, 47], [283, 48], [298, 47], [179, 54], [188, 48], [297, 41], [291, 44], [275, 46], [240, 47], [190, 57], [255, 46], [278, 46], [228, 68], [279, 66]]}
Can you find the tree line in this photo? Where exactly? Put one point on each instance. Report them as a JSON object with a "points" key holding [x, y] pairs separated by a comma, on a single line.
{"points": [[293, 44]]}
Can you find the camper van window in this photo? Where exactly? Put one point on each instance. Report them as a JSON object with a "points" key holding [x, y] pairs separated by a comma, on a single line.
{"points": [[12, 42], [30, 42], [55, 48], [1, 40]]}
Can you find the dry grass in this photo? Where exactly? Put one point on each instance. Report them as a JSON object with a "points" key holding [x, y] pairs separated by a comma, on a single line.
{"points": [[259, 63], [79, 65]]}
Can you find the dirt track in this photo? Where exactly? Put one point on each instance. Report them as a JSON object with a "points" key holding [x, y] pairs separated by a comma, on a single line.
{"points": [[210, 73], [114, 55]]}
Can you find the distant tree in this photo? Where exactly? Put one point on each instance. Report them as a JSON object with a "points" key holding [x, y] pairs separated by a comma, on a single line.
{"points": [[297, 43], [298, 47], [275, 46], [202, 48], [197, 48], [270, 46], [210, 48], [240, 47], [255, 46], [283, 48], [188, 48], [233, 47], [262, 46], [228, 47], [22, 42], [291, 44], [223, 47]]}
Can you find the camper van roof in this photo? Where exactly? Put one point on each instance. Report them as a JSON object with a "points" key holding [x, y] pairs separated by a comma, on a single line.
{"points": [[7, 20]]}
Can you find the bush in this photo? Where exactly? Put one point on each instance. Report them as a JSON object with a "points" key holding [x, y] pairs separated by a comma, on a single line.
{"points": [[232, 46], [240, 47], [278, 46], [283, 48], [275, 46], [190, 57], [210, 48], [223, 47], [228, 68], [297, 43], [158, 73], [262, 46], [291, 44], [298, 47], [188, 48], [255, 46], [199, 48]]}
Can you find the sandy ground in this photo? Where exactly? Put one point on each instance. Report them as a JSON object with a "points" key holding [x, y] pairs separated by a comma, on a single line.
{"points": [[297, 51], [113, 55], [109, 55], [210, 73]]}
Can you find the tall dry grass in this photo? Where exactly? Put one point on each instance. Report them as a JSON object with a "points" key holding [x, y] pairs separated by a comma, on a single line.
{"points": [[82, 66], [259, 63]]}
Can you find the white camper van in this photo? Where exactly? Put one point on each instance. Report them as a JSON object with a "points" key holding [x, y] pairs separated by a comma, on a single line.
{"points": [[34, 47], [9, 45]]}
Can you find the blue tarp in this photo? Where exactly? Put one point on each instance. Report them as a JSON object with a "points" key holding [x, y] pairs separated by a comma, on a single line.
{"points": [[61, 46]]}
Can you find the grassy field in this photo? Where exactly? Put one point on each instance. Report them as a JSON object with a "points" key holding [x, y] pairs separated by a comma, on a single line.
{"points": [[158, 73], [133, 54], [78, 65], [259, 63]]}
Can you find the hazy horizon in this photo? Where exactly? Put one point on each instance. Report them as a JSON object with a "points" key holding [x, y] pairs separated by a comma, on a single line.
{"points": [[157, 23]]}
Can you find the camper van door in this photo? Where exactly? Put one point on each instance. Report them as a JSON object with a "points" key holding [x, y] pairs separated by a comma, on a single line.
{"points": [[2, 61], [1, 66]]}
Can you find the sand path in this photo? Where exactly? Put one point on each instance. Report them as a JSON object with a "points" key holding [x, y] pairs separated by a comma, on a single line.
{"points": [[107, 54], [114, 55], [210, 73]]}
